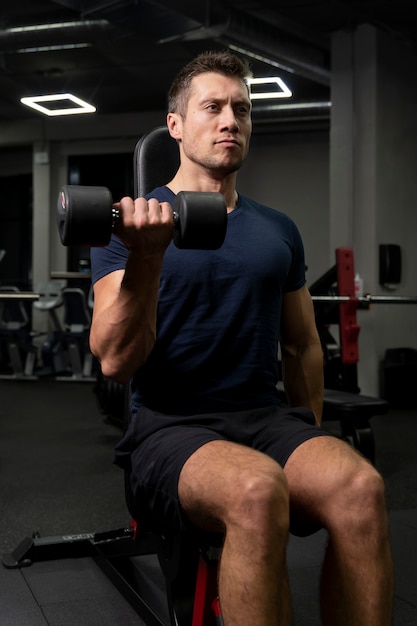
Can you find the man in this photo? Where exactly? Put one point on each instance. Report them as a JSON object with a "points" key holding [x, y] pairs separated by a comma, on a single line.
{"points": [[197, 332]]}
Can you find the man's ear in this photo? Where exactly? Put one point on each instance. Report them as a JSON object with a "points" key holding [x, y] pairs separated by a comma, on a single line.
{"points": [[174, 124]]}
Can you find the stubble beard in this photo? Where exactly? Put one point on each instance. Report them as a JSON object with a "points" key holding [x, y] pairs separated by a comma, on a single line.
{"points": [[216, 165]]}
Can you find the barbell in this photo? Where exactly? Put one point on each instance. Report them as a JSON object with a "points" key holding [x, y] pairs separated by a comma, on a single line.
{"points": [[366, 299], [86, 216]]}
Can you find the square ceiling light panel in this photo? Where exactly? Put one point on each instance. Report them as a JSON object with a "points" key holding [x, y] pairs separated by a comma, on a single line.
{"points": [[265, 88], [58, 104]]}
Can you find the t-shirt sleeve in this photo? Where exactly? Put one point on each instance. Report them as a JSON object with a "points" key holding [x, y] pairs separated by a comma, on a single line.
{"points": [[109, 259], [297, 275], [114, 256]]}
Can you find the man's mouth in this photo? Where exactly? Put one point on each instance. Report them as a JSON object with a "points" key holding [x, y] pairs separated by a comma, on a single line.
{"points": [[229, 141]]}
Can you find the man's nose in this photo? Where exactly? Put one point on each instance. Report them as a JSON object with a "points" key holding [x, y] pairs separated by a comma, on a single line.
{"points": [[229, 119]]}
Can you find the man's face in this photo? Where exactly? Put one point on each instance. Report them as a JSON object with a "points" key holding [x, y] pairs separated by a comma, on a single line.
{"points": [[216, 129]]}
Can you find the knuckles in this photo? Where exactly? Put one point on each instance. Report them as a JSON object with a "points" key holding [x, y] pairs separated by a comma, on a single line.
{"points": [[141, 218]]}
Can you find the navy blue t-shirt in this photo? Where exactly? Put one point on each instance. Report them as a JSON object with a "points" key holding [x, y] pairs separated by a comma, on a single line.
{"points": [[219, 314]]}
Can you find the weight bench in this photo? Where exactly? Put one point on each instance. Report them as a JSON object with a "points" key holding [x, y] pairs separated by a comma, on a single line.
{"points": [[354, 411], [189, 570], [188, 562]]}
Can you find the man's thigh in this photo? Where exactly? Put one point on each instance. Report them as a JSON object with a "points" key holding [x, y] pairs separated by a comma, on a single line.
{"points": [[156, 465]]}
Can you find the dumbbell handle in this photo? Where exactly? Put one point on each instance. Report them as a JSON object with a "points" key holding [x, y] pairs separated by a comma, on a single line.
{"points": [[115, 217]]}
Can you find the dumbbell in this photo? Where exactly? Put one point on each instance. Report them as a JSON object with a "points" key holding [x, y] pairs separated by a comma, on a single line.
{"points": [[86, 217]]}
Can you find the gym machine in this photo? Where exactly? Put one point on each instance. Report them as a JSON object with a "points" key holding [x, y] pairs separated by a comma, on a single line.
{"points": [[53, 357], [18, 353], [75, 336], [336, 303], [65, 352]]}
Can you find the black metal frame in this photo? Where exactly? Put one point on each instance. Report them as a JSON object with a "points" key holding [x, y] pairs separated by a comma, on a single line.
{"points": [[114, 551]]}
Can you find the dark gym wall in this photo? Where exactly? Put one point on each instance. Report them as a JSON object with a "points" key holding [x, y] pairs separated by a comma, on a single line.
{"points": [[114, 171], [16, 230]]}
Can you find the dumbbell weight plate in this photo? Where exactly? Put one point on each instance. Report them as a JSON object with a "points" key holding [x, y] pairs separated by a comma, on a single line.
{"points": [[200, 220], [85, 215]]}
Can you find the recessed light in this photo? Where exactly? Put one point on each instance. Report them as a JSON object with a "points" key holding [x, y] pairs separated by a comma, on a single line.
{"points": [[58, 104]]}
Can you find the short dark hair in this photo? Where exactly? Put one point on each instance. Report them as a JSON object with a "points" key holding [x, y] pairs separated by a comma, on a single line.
{"points": [[224, 63]]}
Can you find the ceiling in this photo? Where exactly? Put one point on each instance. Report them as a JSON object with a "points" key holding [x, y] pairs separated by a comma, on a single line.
{"points": [[121, 55]]}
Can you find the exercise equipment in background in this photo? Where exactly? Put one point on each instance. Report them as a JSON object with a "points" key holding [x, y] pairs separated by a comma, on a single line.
{"points": [[65, 352], [18, 354], [52, 356], [336, 303], [75, 337]]}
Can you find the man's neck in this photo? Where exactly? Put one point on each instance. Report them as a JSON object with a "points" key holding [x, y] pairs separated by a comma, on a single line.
{"points": [[225, 186]]}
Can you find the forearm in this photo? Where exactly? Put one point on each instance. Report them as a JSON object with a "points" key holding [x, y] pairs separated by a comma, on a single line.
{"points": [[302, 369], [123, 331]]}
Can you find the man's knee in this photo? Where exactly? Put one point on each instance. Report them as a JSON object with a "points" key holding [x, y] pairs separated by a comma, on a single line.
{"points": [[368, 490], [235, 488], [260, 500], [361, 503]]}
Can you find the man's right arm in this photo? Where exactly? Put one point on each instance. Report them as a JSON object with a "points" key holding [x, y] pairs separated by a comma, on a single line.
{"points": [[123, 329]]}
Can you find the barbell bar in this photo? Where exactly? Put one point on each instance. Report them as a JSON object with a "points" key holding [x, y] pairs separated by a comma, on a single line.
{"points": [[367, 299]]}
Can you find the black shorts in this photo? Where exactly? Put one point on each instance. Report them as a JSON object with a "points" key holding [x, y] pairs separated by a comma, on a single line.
{"points": [[156, 447]]}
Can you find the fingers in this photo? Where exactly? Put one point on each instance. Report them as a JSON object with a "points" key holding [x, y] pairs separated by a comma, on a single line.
{"points": [[152, 212], [142, 211], [144, 223]]}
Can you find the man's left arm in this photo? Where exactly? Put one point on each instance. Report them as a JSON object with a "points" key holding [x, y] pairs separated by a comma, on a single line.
{"points": [[301, 352]]}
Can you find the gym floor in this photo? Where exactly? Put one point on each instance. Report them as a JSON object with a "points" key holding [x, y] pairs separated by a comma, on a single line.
{"points": [[57, 478]]}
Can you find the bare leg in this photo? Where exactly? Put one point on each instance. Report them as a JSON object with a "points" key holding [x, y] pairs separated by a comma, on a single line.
{"points": [[347, 499], [247, 497]]}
